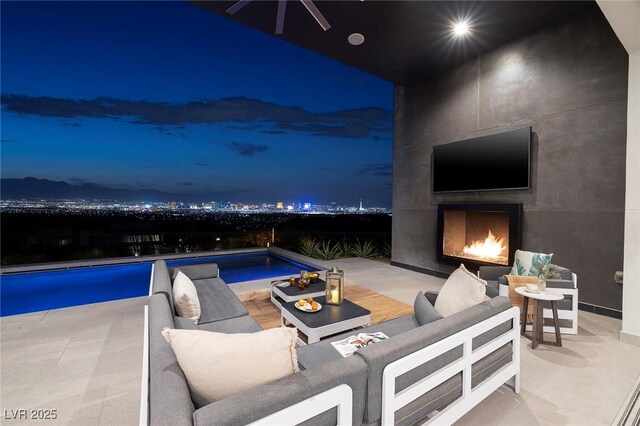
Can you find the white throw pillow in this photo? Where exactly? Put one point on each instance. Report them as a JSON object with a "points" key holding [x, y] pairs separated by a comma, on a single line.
{"points": [[185, 298], [462, 290], [217, 365]]}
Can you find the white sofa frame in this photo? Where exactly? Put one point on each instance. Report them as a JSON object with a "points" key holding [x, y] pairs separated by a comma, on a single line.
{"points": [[565, 314], [509, 373], [341, 397]]}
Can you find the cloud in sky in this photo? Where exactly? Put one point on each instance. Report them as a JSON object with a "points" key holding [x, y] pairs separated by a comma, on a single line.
{"points": [[377, 169], [247, 149], [254, 113]]}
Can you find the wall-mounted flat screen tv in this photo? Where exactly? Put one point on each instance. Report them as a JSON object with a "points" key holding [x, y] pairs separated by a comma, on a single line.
{"points": [[487, 163]]}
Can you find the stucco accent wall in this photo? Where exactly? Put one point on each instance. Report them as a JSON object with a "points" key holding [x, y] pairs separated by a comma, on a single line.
{"points": [[568, 80]]}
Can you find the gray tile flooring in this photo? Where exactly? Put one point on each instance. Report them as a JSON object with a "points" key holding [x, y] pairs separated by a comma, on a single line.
{"points": [[86, 362]]}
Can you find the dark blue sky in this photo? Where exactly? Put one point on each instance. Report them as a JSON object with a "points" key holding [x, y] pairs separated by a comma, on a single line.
{"points": [[164, 95]]}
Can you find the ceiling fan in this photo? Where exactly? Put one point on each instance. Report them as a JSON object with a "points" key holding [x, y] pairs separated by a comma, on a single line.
{"points": [[282, 6]]}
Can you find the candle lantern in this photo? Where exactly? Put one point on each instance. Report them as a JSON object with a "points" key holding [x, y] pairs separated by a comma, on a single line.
{"points": [[334, 291]]}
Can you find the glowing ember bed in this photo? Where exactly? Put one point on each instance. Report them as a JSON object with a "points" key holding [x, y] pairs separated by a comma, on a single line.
{"points": [[38, 291]]}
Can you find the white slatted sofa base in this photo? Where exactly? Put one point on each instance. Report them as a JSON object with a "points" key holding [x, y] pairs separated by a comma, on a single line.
{"points": [[509, 373], [341, 397]]}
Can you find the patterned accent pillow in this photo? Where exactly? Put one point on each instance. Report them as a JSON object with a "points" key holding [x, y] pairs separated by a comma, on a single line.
{"points": [[531, 264]]}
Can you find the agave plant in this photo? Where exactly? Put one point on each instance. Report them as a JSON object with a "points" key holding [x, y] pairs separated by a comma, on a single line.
{"points": [[364, 249], [346, 247], [386, 249], [327, 251], [310, 247]]}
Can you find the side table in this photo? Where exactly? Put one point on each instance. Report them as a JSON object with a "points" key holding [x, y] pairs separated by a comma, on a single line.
{"points": [[538, 319]]}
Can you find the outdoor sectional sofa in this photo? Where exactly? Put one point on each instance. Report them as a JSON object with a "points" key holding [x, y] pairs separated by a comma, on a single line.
{"points": [[449, 365]]}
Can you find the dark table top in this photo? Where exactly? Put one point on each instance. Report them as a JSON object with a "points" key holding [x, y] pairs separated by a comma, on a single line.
{"points": [[329, 314], [311, 288]]}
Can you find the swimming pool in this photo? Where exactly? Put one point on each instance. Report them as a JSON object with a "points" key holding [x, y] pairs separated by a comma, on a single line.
{"points": [[38, 291]]}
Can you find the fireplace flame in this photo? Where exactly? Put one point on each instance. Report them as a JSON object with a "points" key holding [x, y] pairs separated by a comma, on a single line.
{"points": [[490, 248]]}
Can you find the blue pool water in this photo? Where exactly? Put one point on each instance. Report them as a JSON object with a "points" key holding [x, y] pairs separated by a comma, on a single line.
{"points": [[38, 291]]}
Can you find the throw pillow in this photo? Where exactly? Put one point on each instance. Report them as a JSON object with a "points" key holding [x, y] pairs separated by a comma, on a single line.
{"points": [[462, 290], [217, 365], [185, 298], [424, 310], [530, 263]]}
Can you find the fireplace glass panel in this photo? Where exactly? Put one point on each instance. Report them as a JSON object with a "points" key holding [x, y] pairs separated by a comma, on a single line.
{"points": [[476, 235]]}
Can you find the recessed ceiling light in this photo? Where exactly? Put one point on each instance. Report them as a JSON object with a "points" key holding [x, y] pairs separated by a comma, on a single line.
{"points": [[356, 39], [461, 28]]}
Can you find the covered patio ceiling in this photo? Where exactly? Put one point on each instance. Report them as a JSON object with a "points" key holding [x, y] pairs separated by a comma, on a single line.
{"points": [[404, 40]]}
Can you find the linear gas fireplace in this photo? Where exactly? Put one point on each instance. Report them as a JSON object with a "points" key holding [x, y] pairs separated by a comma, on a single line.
{"points": [[478, 234]]}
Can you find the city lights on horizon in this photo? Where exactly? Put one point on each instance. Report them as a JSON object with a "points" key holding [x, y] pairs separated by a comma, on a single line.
{"points": [[176, 207]]}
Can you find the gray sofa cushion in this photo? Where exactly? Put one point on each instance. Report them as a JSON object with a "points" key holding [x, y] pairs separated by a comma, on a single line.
{"points": [[217, 301], [170, 402], [381, 354], [323, 352], [243, 324], [161, 283], [424, 310], [253, 404], [564, 273], [492, 290], [196, 272], [492, 273]]}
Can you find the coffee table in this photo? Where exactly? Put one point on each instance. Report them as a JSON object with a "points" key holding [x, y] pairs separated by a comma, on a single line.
{"points": [[538, 320], [280, 295], [330, 320]]}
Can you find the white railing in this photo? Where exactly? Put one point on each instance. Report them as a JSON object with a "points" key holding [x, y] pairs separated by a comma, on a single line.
{"points": [[510, 372], [341, 397]]}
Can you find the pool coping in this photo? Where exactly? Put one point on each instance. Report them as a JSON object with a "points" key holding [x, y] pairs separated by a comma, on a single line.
{"points": [[53, 266]]}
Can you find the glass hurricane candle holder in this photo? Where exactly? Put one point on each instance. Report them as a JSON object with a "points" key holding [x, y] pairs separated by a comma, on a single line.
{"points": [[334, 291]]}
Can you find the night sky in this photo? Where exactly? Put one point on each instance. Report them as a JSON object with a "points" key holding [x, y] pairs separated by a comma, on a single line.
{"points": [[167, 96]]}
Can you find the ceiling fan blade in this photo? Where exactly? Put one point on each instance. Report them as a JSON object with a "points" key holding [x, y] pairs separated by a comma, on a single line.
{"points": [[282, 7], [313, 10], [236, 7]]}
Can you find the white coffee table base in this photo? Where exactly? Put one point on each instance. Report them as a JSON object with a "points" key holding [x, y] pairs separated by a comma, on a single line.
{"points": [[277, 296], [315, 334]]}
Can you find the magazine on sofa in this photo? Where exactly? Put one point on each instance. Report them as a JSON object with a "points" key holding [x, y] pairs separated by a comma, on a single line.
{"points": [[348, 346]]}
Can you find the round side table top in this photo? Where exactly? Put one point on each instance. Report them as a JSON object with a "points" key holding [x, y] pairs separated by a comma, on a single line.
{"points": [[522, 291]]}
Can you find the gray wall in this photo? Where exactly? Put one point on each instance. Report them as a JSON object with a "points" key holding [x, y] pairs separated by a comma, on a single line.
{"points": [[568, 80]]}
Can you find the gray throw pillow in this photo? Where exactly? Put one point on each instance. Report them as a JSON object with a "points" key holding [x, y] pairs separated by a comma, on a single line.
{"points": [[424, 310]]}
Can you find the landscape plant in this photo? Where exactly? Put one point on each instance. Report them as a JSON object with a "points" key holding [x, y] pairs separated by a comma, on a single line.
{"points": [[386, 249], [310, 247], [328, 251], [366, 249]]}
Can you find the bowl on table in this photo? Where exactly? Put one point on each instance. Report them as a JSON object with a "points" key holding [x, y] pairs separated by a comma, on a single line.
{"points": [[533, 288]]}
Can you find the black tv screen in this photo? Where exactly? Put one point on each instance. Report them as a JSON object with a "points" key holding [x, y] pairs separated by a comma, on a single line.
{"points": [[487, 163]]}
